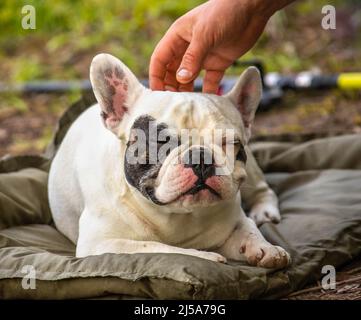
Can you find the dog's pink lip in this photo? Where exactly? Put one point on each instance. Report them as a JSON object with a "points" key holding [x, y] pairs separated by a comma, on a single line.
{"points": [[199, 187], [190, 190]]}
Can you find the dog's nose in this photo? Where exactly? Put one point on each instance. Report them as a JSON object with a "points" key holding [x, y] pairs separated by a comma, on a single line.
{"points": [[201, 161]]}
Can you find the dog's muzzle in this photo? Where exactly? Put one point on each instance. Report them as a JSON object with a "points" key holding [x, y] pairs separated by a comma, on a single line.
{"points": [[201, 161]]}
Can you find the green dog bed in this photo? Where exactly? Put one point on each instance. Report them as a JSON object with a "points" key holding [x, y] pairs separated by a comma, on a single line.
{"points": [[319, 187]]}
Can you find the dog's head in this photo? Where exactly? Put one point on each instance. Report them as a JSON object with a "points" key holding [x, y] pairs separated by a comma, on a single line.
{"points": [[181, 150]]}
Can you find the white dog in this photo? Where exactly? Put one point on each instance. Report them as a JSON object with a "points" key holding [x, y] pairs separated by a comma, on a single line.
{"points": [[106, 202]]}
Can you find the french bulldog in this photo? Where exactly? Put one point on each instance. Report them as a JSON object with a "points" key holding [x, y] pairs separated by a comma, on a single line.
{"points": [[106, 202]]}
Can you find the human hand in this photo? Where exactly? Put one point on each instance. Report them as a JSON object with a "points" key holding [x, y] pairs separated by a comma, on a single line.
{"points": [[210, 37]]}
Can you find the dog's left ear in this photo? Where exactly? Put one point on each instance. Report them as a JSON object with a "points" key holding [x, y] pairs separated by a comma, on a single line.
{"points": [[246, 95], [115, 87]]}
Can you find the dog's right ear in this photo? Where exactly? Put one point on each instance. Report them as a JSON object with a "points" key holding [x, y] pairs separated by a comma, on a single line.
{"points": [[115, 87]]}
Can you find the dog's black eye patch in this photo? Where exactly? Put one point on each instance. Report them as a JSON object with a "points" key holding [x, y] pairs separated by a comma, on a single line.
{"points": [[241, 154], [141, 175], [142, 123]]}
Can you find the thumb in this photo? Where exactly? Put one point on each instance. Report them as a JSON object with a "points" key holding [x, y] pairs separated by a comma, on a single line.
{"points": [[192, 61]]}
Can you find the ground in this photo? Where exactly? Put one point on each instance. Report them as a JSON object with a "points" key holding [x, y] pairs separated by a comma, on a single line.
{"points": [[348, 286], [69, 33]]}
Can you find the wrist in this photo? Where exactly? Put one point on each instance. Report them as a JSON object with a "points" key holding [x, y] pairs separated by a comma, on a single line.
{"points": [[263, 8]]}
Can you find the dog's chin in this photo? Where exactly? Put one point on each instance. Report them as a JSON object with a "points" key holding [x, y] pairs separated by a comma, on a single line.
{"points": [[202, 198], [196, 197]]}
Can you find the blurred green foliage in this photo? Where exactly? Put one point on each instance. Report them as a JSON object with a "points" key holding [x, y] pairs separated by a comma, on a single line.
{"points": [[127, 29], [70, 32]]}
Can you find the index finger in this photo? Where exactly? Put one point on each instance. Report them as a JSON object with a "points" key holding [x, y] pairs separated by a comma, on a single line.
{"points": [[168, 48], [212, 80]]}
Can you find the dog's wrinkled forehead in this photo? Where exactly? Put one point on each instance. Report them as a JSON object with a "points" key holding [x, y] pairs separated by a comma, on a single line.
{"points": [[178, 111]]}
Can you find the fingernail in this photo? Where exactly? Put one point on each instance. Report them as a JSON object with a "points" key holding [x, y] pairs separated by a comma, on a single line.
{"points": [[184, 74]]}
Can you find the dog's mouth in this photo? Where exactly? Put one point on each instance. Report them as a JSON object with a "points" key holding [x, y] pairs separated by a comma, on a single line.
{"points": [[201, 186], [193, 191]]}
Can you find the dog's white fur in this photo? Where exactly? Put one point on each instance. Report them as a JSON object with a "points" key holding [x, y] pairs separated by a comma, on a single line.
{"points": [[94, 206]]}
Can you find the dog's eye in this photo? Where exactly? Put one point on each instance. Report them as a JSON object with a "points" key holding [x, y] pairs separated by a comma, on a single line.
{"points": [[238, 150], [236, 144], [132, 141], [133, 138]]}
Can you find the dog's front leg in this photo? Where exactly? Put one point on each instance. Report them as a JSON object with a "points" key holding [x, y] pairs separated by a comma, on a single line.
{"points": [[133, 246], [97, 237], [258, 197], [247, 240]]}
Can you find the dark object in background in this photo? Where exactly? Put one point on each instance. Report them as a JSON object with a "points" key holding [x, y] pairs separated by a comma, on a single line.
{"points": [[274, 84]]}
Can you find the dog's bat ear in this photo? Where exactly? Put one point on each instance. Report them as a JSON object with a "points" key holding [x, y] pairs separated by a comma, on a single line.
{"points": [[246, 95], [115, 87]]}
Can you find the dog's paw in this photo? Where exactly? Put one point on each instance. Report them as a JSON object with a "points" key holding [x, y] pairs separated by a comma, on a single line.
{"points": [[210, 256], [264, 254], [265, 212]]}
